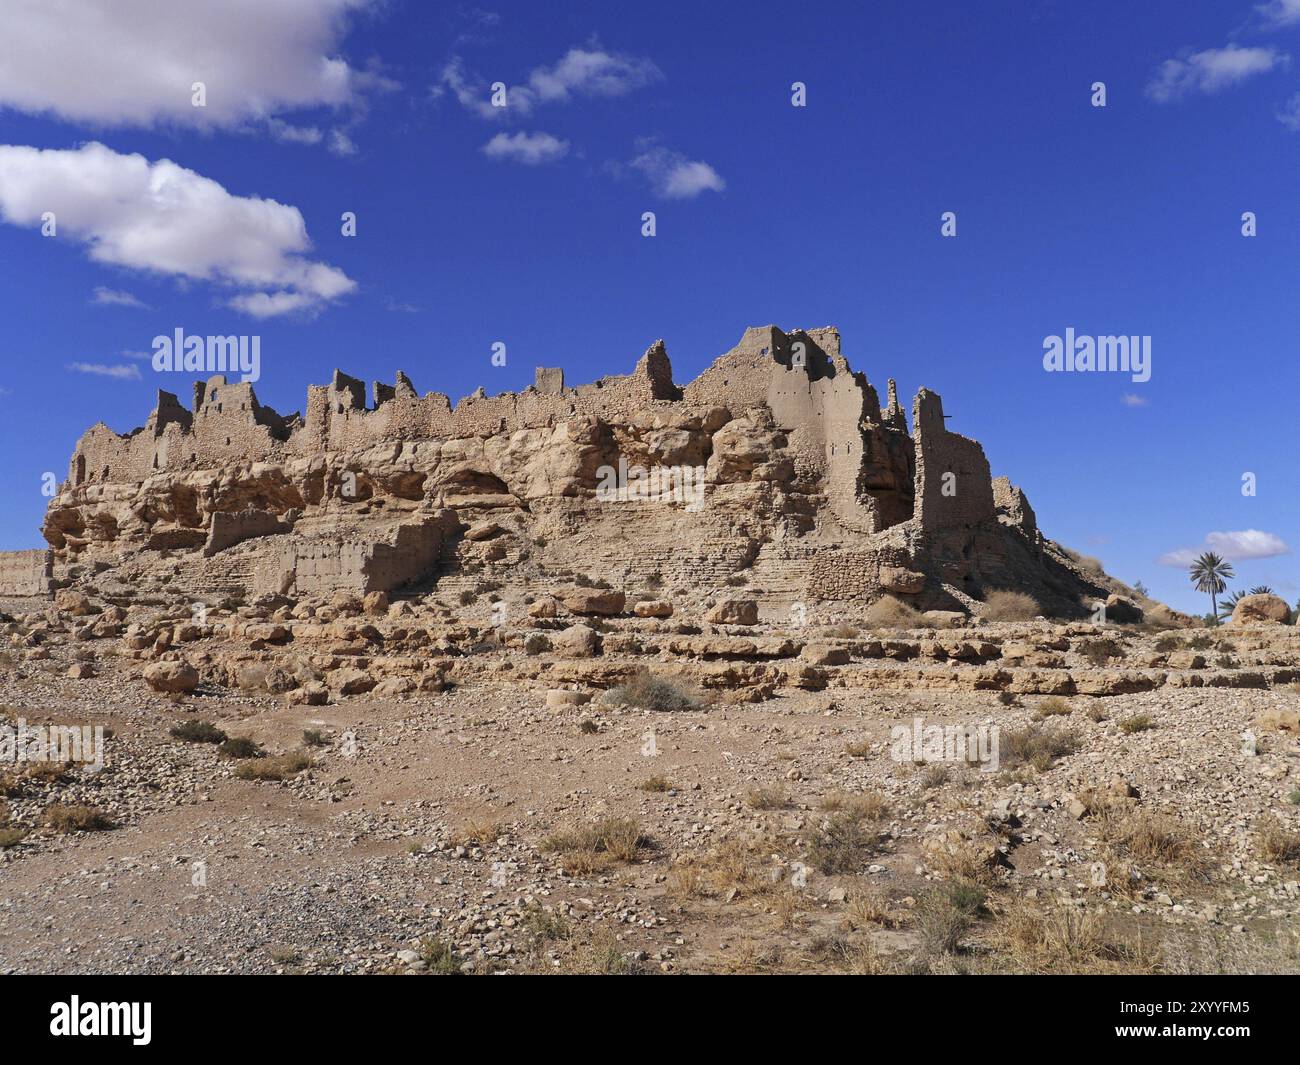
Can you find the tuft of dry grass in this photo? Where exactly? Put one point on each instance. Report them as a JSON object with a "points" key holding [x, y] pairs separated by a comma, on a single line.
{"points": [[1136, 723], [842, 843], [649, 692], [1068, 940], [591, 849], [1052, 707], [858, 748], [1037, 745], [196, 731], [890, 613], [1004, 605], [482, 826], [864, 805], [1277, 843], [273, 767], [657, 783], [736, 869], [767, 797], [64, 818]]}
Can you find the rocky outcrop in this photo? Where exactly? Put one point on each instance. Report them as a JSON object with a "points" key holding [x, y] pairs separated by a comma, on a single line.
{"points": [[777, 461]]}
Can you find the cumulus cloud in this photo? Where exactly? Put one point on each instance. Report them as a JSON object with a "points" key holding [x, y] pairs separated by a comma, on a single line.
{"points": [[588, 71], [1279, 12], [1132, 399], [133, 62], [1233, 546], [112, 297], [530, 149], [161, 218], [1211, 71], [675, 177], [123, 372]]}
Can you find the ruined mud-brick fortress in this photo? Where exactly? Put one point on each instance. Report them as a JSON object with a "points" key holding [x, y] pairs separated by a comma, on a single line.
{"points": [[814, 492]]}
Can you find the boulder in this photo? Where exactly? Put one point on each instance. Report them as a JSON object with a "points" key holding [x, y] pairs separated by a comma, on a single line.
{"points": [[653, 608], [559, 698], [901, 581], [313, 693], [733, 612], [376, 603], [171, 677], [349, 681], [543, 608], [577, 641], [1261, 609], [594, 601], [73, 602]]}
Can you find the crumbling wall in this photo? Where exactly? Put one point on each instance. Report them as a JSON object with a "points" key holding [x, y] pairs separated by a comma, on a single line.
{"points": [[953, 483], [233, 527], [26, 572], [327, 565]]}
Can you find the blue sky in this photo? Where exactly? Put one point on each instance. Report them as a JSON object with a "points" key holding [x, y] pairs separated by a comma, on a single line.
{"points": [[522, 225]]}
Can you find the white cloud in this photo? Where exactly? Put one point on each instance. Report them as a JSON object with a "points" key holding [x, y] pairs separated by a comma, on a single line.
{"points": [[111, 297], [1233, 546], [1132, 399], [290, 134], [675, 177], [124, 372], [1289, 113], [161, 218], [133, 62], [527, 148], [1211, 71], [580, 72], [1279, 12]]}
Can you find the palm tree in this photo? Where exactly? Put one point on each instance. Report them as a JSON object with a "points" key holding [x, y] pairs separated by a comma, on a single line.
{"points": [[1211, 574]]}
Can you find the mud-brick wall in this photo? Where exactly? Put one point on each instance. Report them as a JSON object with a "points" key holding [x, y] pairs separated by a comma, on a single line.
{"points": [[414, 552], [25, 572], [233, 527], [322, 567]]}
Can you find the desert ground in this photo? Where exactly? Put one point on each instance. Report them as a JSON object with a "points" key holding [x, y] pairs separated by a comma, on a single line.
{"points": [[429, 791]]}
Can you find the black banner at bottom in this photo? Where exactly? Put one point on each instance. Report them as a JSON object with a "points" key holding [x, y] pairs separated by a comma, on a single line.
{"points": [[142, 1014]]}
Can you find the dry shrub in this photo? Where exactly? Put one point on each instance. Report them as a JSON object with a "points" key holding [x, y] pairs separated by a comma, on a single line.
{"points": [[842, 843], [1036, 745], [1277, 843], [649, 692], [658, 784], [481, 826], [593, 848], [735, 869], [1004, 605], [946, 914], [274, 767], [1069, 940], [1052, 707], [864, 805], [890, 613], [196, 731], [64, 818], [767, 797]]}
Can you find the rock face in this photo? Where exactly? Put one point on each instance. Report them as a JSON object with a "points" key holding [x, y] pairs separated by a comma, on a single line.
{"points": [[778, 461], [1263, 607]]}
